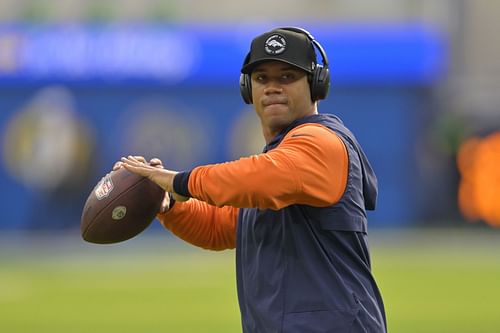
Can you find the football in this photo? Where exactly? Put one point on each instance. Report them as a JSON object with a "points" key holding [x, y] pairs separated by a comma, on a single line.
{"points": [[120, 206]]}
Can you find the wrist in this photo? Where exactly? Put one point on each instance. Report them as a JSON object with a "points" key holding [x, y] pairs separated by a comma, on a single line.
{"points": [[181, 184], [164, 178]]}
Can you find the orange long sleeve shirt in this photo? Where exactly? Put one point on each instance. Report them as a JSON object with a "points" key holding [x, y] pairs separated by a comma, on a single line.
{"points": [[309, 166]]}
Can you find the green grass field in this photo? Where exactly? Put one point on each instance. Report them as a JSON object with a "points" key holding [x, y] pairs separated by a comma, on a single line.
{"points": [[432, 281]]}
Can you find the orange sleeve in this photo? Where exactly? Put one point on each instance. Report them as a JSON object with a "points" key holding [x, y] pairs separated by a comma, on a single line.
{"points": [[309, 166], [203, 225]]}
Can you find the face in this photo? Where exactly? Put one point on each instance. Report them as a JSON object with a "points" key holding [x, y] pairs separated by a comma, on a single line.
{"points": [[280, 95]]}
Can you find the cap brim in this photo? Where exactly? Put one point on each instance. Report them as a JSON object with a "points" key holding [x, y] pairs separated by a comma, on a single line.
{"points": [[248, 68]]}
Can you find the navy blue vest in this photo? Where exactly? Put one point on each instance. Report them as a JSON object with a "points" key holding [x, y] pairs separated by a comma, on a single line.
{"points": [[307, 269]]}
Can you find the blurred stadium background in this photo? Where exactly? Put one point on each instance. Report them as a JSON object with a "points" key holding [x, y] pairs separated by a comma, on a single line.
{"points": [[83, 83]]}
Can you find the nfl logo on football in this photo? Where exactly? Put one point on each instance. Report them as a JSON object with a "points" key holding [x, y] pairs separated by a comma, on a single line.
{"points": [[104, 188]]}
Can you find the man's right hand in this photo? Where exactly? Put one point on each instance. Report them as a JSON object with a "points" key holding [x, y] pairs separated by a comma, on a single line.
{"points": [[139, 165]]}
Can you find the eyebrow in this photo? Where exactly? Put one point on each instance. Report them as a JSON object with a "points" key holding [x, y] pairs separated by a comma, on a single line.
{"points": [[284, 68]]}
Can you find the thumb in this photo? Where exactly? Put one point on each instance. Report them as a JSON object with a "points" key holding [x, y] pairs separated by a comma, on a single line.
{"points": [[165, 203], [156, 162]]}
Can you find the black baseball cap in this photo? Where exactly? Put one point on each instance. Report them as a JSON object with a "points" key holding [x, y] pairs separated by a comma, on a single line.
{"points": [[291, 47]]}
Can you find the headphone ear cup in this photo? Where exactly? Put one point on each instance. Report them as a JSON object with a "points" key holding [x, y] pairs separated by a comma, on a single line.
{"points": [[246, 88], [320, 83]]}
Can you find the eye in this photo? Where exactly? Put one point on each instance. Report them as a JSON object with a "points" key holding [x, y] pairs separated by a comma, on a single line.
{"points": [[261, 78], [288, 77]]}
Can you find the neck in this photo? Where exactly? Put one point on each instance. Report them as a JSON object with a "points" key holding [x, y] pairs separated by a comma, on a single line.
{"points": [[270, 133]]}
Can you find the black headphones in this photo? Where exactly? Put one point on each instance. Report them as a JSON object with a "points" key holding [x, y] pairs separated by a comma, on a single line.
{"points": [[319, 80]]}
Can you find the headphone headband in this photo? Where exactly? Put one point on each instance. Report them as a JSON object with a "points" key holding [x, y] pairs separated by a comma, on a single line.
{"points": [[318, 46]]}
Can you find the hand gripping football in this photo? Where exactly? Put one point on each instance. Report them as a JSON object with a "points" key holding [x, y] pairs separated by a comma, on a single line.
{"points": [[120, 207]]}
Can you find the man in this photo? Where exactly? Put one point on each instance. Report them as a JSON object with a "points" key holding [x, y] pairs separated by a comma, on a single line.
{"points": [[296, 213]]}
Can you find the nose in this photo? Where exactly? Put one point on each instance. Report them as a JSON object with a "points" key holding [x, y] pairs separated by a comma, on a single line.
{"points": [[273, 87]]}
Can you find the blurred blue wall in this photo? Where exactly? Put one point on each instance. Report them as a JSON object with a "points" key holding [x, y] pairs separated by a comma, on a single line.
{"points": [[119, 94]]}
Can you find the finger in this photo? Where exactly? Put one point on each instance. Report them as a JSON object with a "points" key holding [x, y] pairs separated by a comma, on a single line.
{"points": [[117, 165], [140, 158], [130, 160], [160, 176], [133, 158], [136, 167]]}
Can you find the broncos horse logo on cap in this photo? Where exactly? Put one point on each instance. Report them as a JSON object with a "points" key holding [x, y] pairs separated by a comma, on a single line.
{"points": [[275, 44]]}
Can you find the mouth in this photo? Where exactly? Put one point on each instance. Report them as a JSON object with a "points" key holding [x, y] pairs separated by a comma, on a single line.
{"points": [[274, 101]]}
